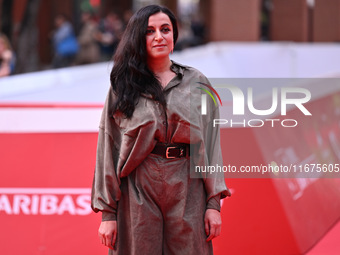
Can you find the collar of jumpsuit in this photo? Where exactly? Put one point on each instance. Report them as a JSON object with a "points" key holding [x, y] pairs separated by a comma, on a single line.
{"points": [[178, 70]]}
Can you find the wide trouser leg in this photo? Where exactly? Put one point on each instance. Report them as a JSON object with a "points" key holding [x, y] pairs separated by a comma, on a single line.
{"points": [[140, 221], [183, 212]]}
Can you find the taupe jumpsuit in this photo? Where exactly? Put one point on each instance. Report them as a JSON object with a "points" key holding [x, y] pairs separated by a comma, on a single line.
{"points": [[158, 206]]}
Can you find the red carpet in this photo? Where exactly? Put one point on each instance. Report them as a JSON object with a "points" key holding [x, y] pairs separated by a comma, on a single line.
{"points": [[329, 244]]}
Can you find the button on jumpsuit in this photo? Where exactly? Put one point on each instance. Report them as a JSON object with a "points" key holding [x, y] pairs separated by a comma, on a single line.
{"points": [[159, 206]]}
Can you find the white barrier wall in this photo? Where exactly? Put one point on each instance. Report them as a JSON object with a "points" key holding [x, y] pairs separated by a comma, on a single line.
{"points": [[89, 84]]}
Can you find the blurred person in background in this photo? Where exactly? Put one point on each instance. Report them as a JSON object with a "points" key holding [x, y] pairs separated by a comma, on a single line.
{"points": [[198, 29], [89, 51], [110, 31], [64, 42], [126, 17], [185, 37], [7, 58]]}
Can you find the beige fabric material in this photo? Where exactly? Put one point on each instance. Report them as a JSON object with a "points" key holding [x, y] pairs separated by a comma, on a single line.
{"points": [[159, 207]]}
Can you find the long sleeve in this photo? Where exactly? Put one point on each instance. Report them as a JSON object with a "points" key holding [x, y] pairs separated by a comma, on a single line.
{"points": [[214, 203], [214, 182], [105, 188]]}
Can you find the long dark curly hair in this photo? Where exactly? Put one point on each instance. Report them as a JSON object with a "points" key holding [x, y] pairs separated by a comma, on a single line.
{"points": [[130, 75]]}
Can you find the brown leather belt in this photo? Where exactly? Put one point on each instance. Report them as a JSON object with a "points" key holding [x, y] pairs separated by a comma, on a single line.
{"points": [[172, 150]]}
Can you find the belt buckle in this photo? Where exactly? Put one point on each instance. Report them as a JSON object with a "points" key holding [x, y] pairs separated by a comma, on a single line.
{"points": [[167, 152]]}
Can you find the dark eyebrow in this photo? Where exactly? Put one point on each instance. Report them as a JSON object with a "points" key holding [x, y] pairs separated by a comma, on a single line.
{"points": [[165, 24]]}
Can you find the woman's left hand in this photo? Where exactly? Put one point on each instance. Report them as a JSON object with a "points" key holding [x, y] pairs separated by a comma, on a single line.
{"points": [[212, 223]]}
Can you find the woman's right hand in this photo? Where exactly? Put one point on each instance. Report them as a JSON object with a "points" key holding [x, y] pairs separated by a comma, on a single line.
{"points": [[108, 233]]}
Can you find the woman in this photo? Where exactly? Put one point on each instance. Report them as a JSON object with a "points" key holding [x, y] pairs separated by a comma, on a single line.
{"points": [[149, 202], [6, 57]]}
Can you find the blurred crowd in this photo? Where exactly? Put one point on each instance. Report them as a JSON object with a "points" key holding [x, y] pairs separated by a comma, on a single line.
{"points": [[94, 41]]}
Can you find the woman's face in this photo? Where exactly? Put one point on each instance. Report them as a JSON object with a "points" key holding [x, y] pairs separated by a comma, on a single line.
{"points": [[159, 36]]}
